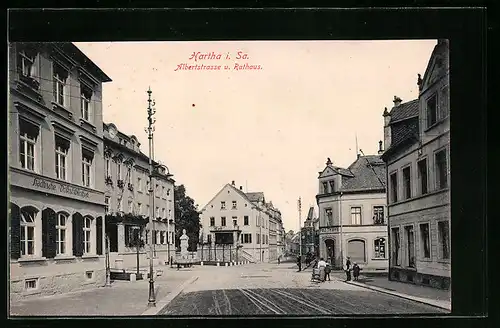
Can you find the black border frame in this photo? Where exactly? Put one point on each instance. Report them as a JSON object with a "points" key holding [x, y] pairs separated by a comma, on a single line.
{"points": [[465, 28]]}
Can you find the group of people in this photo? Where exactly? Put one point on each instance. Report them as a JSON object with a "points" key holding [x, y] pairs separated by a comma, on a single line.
{"points": [[325, 269]]}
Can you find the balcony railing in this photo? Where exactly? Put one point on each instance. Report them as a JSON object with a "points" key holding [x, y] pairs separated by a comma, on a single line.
{"points": [[225, 228]]}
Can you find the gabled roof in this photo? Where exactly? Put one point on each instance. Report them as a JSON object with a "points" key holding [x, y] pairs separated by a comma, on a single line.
{"points": [[336, 170], [404, 111], [255, 197], [239, 192], [368, 174]]}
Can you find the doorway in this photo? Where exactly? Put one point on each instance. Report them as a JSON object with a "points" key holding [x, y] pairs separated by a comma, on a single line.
{"points": [[330, 251]]}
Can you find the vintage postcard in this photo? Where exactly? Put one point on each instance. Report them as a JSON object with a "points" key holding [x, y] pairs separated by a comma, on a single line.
{"points": [[223, 178]]}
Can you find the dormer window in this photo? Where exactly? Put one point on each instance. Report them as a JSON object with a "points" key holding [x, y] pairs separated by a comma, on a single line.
{"points": [[332, 186], [86, 96]]}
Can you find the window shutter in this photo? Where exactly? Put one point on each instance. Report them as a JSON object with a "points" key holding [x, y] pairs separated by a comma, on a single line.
{"points": [[77, 234], [15, 233], [49, 233], [99, 236]]}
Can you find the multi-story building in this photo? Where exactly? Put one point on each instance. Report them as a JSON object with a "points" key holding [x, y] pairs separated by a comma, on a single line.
{"points": [[316, 235], [127, 199], [307, 233], [352, 211], [273, 234], [239, 220], [417, 142], [55, 169], [280, 239]]}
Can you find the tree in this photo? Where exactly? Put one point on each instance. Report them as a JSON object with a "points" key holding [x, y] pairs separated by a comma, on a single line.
{"points": [[186, 217]]}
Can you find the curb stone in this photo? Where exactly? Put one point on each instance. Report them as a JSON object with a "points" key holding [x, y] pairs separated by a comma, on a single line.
{"points": [[160, 305], [400, 295]]}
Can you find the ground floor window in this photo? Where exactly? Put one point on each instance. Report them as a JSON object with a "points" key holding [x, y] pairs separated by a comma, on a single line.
{"points": [[379, 247], [395, 237], [444, 239], [410, 246]]}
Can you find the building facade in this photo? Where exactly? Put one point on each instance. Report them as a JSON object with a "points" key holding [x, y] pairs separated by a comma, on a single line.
{"points": [[127, 199], [307, 233], [241, 221], [417, 139], [352, 213], [55, 167]]}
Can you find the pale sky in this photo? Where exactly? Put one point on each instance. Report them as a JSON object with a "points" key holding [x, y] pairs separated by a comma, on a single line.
{"points": [[270, 129]]}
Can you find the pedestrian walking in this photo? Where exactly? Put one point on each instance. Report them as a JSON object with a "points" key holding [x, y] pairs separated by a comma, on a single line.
{"points": [[279, 259], [299, 263], [355, 271], [321, 267], [328, 269], [348, 269]]}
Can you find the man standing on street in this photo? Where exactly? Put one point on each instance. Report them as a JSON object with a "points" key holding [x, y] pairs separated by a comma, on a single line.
{"points": [[279, 259], [348, 269], [299, 262]]}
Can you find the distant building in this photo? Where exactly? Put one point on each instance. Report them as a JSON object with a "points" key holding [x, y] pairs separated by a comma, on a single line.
{"points": [[239, 222], [126, 176], [352, 209], [55, 169], [308, 233], [417, 142]]}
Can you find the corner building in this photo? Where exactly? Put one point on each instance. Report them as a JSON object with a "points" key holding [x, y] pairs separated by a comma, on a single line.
{"points": [[55, 168], [417, 139]]}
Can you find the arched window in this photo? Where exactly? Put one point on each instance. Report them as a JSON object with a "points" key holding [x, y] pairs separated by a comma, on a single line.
{"points": [[87, 240], [379, 247], [356, 250], [62, 235], [28, 216]]}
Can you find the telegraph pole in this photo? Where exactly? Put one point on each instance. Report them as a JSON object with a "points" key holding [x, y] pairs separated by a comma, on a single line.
{"points": [[150, 130], [299, 203]]}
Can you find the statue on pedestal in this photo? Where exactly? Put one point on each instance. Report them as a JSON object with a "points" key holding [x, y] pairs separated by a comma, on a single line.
{"points": [[184, 244]]}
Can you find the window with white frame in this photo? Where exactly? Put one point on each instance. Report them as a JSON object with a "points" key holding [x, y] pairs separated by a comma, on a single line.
{"points": [[59, 88], [28, 221], [425, 241], [235, 221], [432, 110], [223, 221], [407, 182], [61, 236], [87, 236], [157, 212], [394, 186], [106, 201], [119, 171], [62, 148], [378, 214], [139, 184], [86, 103], [108, 168], [245, 220], [87, 159], [380, 249], [169, 213], [222, 205], [410, 246], [422, 176], [396, 246], [147, 211], [147, 186], [168, 192], [355, 215], [441, 170], [130, 206], [139, 208], [163, 213], [444, 240], [234, 205], [120, 205], [26, 62], [28, 137], [212, 221]]}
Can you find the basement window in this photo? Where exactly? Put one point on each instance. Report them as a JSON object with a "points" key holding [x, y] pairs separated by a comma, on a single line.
{"points": [[89, 275], [31, 284]]}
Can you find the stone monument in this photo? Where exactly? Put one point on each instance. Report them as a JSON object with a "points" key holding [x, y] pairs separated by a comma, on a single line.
{"points": [[184, 245]]}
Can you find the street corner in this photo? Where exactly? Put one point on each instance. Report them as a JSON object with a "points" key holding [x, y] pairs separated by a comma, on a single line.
{"points": [[161, 304]]}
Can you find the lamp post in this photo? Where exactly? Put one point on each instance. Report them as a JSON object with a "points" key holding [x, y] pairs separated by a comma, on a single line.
{"points": [[341, 232], [299, 203], [150, 130]]}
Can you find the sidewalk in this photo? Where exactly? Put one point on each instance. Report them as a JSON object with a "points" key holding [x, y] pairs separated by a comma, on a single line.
{"points": [[123, 298], [428, 295]]}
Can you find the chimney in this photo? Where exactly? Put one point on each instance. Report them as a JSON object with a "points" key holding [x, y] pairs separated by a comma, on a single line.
{"points": [[387, 129], [232, 183], [241, 187], [380, 149], [397, 101]]}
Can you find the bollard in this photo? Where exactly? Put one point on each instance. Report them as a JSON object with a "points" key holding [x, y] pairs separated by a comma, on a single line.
{"points": [[218, 264], [201, 263], [226, 263], [133, 277]]}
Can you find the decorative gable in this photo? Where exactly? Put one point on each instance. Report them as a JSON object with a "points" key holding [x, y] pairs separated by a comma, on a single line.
{"points": [[327, 172], [437, 67]]}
